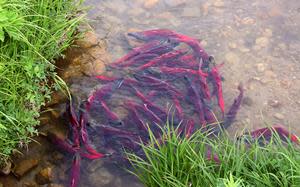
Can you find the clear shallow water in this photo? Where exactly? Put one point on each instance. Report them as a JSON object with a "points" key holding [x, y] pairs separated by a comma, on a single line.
{"points": [[257, 40]]}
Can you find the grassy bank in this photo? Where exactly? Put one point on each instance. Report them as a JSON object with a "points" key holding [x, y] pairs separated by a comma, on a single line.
{"points": [[183, 162], [32, 34]]}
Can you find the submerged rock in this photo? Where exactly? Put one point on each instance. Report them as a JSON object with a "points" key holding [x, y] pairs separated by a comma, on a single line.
{"points": [[30, 184], [100, 178], [44, 176], [150, 3], [24, 167], [279, 116], [6, 169], [90, 39]]}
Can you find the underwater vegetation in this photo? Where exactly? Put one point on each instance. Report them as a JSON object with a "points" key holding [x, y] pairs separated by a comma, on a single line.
{"points": [[170, 78]]}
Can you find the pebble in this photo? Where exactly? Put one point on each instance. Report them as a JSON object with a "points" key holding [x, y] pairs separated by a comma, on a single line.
{"points": [[270, 74], [55, 185], [24, 167], [260, 67], [101, 178], [174, 3], [256, 48], [204, 8], [247, 101], [231, 57], [248, 21], [218, 3], [90, 39], [6, 169], [150, 3], [191, 12], [268, 33], [262, 41], [244, 49], [232, 45], [94, 165], [285, 84], [203, 43], [30, 184], [279, 116], [94, 68], [274, 103], [44, 176]]}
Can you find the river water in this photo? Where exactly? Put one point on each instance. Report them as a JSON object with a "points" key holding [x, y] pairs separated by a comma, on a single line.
{"points": [[257, 40]]}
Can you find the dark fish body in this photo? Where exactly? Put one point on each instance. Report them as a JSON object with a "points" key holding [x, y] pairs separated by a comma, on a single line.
{"points": [[231, 114], [196, 101], [75, 171]]}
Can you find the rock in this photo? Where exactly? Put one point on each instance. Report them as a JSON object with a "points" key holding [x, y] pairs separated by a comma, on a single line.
{"points": [[244, 49], [191, 12], [150, 3], [279, 116], [219, 3], [204, 8], [270, 74], [44, 176], [232, 45], [285, 84], [275, 11], [232, 57], [248, 21], [260, 67], [174, 3], [94, 68], [57, 97], [135, 11], [256, 48], [94, 165], [71, 72], [30, 184], [203, 43], [268, 33], [247, 101], [101, 178], [6, 169], [55, 185], [262, 41], [24, 167], [90, 39], [274, 103]]}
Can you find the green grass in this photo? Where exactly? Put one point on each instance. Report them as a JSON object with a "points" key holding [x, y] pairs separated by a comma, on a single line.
{"points": [[32, 34], [183, 162]]}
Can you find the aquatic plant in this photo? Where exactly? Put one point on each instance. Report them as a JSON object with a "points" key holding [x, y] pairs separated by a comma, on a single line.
{"points": [[169, 70]]}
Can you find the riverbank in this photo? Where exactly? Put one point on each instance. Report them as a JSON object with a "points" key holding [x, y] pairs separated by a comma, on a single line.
{"points": [[32, 35]]}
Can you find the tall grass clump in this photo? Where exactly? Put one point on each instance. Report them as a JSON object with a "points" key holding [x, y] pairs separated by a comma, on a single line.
{"points": [[203, 160], [32, 34]]}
